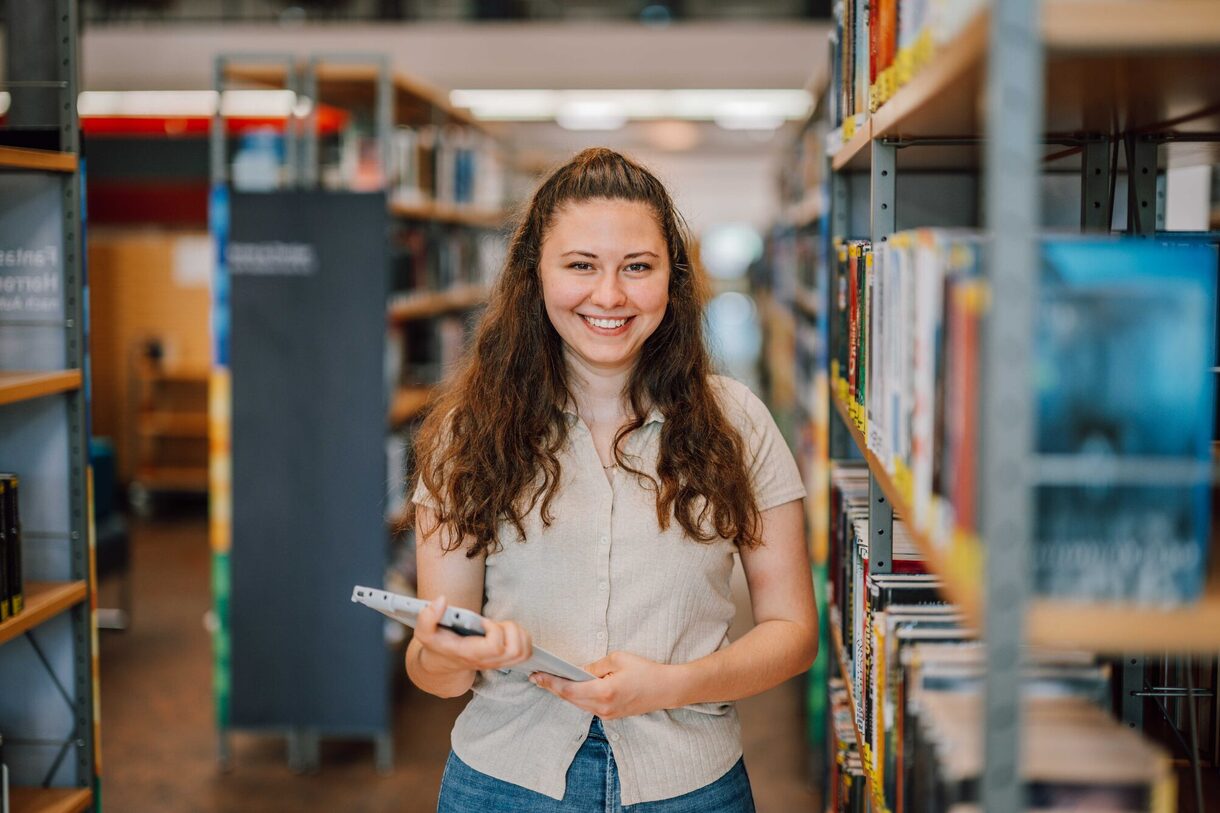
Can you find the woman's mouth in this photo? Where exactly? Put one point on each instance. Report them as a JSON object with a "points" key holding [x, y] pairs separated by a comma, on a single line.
{"points": [[606, 326]]}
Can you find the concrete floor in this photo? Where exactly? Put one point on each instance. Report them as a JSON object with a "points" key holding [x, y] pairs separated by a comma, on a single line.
{"points": [[159, 737]]}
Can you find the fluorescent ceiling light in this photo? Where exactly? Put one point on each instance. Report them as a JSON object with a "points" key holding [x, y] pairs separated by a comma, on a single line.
{"points": [[734, 109], [590, 114], [191, 103]]}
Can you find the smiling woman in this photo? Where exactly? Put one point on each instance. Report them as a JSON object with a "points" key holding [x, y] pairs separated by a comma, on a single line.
{"points": [[585, 482], [603, 303]]}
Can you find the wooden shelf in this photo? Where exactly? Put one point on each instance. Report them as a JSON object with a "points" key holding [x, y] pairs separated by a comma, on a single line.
{"points": [[440, 213], [1053, 622], [50, 800], [44, 160], [173, 478], [188, 373], [408, 403], [804, 212], [841, 656], [23, 386], [427, 304], [356, 86], [174, 424], [1112, 66], [43, 600], [807, 302]]}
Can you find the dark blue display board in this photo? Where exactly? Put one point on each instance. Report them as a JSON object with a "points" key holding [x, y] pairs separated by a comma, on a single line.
{"points": [[307, 331]]}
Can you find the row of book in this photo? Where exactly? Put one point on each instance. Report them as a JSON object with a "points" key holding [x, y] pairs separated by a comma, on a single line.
{"points": [[1122, 387], [846, 786], [12, 582], [421, 353], [427, 257], [914, 671], [450, 165], [877, 46]]}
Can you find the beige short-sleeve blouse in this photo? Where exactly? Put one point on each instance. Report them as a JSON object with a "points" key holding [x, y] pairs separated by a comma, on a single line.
{"points": [[605, 577]]}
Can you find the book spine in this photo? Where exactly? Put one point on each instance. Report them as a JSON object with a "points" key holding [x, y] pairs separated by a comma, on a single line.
{"points": [[5, 587]]}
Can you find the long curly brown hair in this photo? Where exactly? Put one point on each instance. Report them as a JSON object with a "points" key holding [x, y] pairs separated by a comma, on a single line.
{"points": [[488, 450]]}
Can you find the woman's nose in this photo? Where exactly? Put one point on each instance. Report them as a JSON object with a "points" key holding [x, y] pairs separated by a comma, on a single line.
{"points": [[608, 292]]}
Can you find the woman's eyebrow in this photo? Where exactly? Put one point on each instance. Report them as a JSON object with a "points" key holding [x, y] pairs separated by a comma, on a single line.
{"points": [[591, 255]]}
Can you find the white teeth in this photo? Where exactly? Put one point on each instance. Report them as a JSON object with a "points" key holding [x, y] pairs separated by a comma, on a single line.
{"points": [[608, 324]]}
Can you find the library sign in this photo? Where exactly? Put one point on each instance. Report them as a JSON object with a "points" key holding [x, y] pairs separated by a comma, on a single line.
{"points": [[273, 259], [31, 247], [29, 280]]}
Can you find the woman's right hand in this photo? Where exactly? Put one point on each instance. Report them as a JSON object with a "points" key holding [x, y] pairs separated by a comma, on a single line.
{"points": [[503, 644]]}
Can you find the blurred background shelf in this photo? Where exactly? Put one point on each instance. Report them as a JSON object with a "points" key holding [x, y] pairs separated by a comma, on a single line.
{"points": [[45, 160], [409, 403], [43, 600], [50, 800], [23, 386], [427, 304], [440, 213]]}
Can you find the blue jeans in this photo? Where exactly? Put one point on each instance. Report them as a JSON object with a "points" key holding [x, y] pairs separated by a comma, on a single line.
{"points": [[592, 787]]}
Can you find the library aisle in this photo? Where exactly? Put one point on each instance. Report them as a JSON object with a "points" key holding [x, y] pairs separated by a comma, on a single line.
{"points": [[159, 749]]}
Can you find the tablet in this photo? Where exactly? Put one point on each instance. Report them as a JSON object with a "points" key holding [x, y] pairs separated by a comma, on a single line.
{"points": [[405, 610]]}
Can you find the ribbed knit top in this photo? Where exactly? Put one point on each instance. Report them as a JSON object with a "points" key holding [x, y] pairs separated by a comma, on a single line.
{"points": [[604, 577]]}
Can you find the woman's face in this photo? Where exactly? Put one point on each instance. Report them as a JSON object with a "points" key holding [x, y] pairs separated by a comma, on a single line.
{"points": [[605, 280]]}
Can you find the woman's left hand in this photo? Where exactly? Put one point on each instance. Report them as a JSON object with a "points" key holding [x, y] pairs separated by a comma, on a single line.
{"points": [[626, 685]]}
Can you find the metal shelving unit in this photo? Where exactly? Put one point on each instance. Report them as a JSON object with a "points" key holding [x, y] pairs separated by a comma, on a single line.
{"points": [[1022, 89], [48, 658]]}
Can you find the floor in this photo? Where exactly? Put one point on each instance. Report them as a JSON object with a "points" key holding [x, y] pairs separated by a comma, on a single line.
{"points": [[158, 733]]}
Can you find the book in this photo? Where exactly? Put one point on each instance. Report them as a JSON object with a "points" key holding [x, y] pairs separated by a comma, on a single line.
{"points": [[6, 607], [10, 516], [1106, 528]]}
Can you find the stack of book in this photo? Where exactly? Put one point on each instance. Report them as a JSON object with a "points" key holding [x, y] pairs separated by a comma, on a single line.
{"points": [[12, 583], [1123, 352]]}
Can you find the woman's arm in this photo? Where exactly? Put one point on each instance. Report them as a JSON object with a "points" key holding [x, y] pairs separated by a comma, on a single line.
{"points": [[439, 661], [783, 642]]}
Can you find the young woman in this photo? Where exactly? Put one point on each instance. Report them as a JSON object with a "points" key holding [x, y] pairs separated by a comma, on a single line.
{"points": [[585, 481]]}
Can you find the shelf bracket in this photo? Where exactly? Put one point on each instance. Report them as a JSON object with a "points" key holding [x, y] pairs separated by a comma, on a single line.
{"points": [[1096, 177]]}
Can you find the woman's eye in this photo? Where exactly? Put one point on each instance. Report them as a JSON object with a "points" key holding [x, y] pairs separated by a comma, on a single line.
{"points": [[580, 266], [638, 267]]}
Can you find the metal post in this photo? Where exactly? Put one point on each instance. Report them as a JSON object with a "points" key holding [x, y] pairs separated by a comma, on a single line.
{"points": [[1012, 153], [840, 219], [1096, 206], [1142, 216], [309, 168], [1141, 185], [882, 184], [385, 118]]}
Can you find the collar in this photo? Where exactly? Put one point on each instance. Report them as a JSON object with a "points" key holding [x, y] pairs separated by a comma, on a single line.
{"points": [[654, 414]]}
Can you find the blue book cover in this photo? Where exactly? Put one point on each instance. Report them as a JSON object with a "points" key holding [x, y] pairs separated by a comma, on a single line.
{"points": [[1123, 370]]}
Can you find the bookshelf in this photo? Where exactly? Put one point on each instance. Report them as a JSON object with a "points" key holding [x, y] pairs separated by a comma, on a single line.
{"points": [[1137, 66], [433, 173], [48, 658], [1105, 628], [1021, 92]]}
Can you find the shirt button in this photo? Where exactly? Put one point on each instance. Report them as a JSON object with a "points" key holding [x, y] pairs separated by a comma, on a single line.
{"points": [[603, 585], [605, 540], [614, 737]]}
